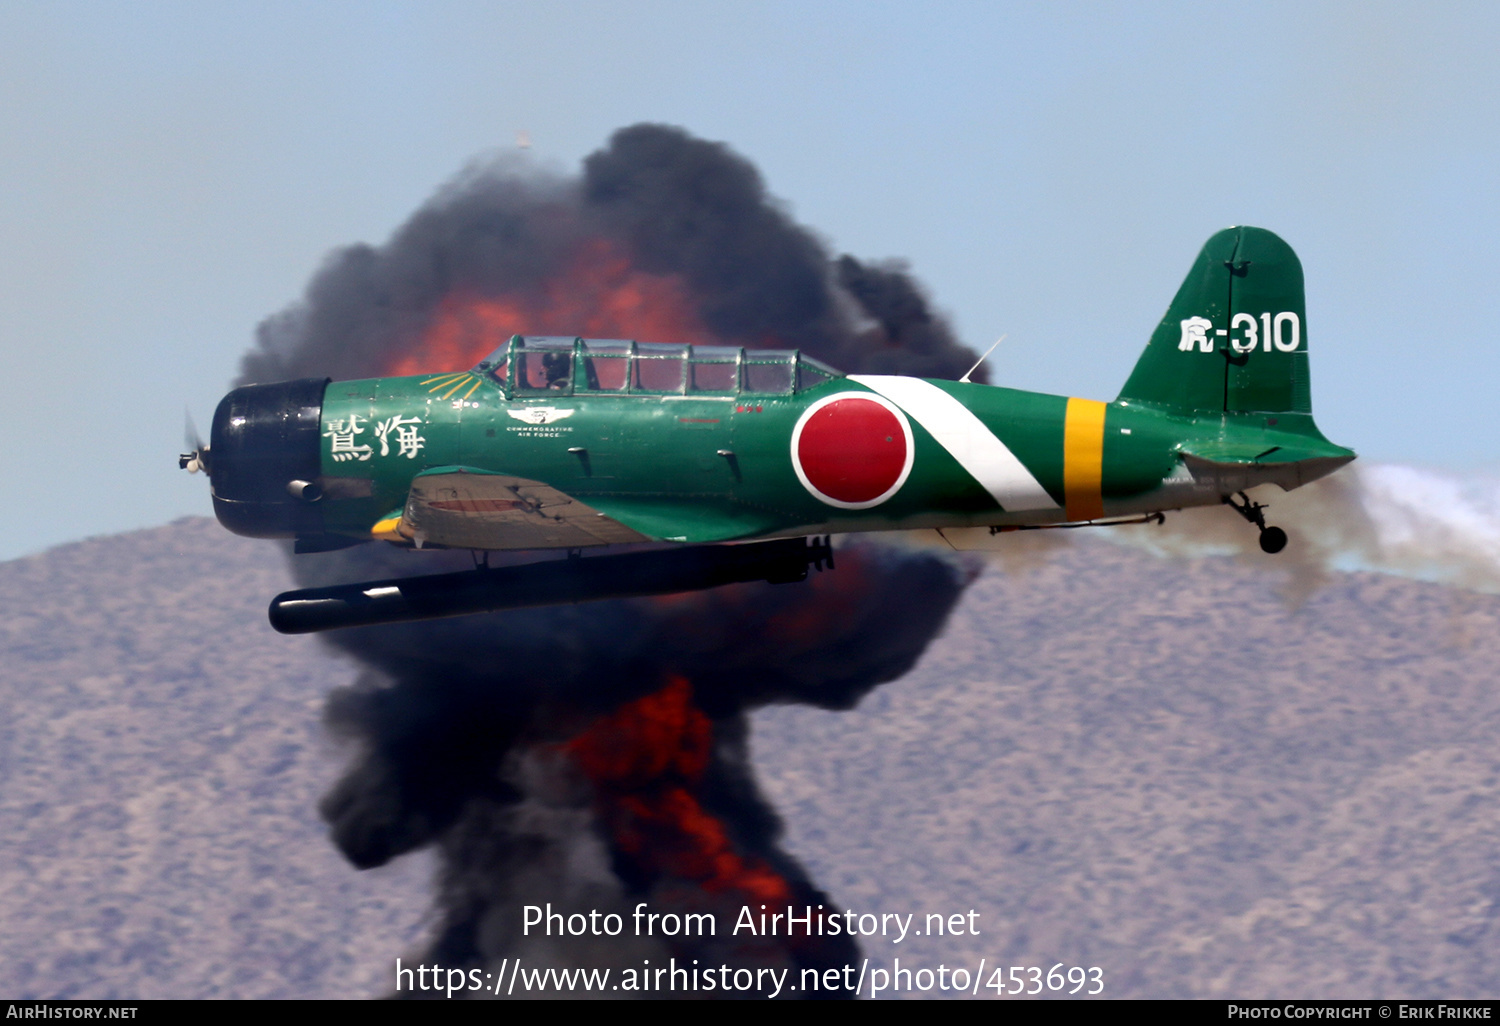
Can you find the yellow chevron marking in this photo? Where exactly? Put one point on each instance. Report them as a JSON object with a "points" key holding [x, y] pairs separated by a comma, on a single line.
{"points": [[444, 381], [1083, 459], [461, 383]]}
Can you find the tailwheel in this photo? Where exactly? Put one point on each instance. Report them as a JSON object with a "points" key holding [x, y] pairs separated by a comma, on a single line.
{"points": [[1272, 539]]}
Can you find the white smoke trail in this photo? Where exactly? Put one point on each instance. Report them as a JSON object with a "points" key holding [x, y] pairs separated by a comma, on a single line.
{"points": [[1431, 525]]}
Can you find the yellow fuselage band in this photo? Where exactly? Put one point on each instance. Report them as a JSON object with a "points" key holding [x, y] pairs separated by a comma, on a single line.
{"points": [[1083, 459]]}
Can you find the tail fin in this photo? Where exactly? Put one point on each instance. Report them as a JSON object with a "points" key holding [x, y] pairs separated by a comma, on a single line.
{"points": [[1235, 338]]}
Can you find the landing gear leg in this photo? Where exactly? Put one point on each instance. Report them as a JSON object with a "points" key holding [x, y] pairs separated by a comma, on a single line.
{"points": [[1272, 539]]}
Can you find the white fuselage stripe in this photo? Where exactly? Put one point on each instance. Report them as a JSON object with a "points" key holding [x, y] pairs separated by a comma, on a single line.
{"points": [[966, 438]]}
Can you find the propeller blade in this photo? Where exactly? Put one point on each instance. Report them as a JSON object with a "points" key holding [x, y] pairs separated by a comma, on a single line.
{"points": [[190, 435], [196, 458]]}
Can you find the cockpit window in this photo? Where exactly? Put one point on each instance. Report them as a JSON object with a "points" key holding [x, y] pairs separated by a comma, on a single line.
{"points": [[657, 367], [714, 369], [557, 365], [497, 363], [770, 371], [544, 365], [606, 364], [811, 373]]}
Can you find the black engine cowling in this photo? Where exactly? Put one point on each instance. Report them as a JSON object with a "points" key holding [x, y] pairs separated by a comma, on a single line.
{"points": [[265, 459]]}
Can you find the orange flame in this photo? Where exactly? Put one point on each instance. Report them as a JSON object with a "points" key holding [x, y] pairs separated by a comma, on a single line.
{"points": [[597, 294], [645, 760]]}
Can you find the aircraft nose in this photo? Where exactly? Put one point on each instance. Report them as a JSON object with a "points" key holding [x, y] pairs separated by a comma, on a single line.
{"points": [[267, 459]]}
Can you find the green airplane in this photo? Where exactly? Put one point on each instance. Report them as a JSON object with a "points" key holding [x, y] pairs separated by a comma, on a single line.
{"points": [[573, 444]]}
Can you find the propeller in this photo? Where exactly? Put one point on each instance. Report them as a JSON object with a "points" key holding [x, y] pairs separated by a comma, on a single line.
{"points": [[196, 458]]}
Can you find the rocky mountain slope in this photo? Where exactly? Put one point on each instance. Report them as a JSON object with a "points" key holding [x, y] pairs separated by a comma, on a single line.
{"points": [[1161, 768]]}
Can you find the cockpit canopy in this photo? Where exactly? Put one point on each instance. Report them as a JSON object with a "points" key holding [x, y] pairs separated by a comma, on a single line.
{"points": [[533, 365]]}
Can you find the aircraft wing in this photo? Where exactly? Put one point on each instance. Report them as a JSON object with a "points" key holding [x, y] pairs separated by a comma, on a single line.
{"points": [[462, 508]]}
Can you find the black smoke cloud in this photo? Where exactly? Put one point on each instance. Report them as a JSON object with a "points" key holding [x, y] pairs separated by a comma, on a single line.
{"points": [[678, 205], [460, 729]]}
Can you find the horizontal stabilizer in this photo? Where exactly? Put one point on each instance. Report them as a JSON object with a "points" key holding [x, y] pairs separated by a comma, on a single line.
{"points": [[1237, 468], [1261, 452]]}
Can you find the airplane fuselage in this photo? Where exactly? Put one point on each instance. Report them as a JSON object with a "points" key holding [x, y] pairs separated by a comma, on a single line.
{"points": [[863, 453], [570, 443]]}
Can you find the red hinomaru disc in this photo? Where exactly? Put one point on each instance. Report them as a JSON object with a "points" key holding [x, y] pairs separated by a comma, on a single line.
{"points": [[852, 450]]}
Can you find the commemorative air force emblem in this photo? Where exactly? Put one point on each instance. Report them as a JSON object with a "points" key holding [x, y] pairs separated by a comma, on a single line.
{"points": [[540, 414]]}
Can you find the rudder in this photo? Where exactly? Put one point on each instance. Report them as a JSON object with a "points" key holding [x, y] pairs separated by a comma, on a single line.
{"points": [[1234, 340]]}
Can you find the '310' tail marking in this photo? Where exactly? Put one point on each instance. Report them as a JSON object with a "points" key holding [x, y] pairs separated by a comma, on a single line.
{"points": [[1283, 331]]}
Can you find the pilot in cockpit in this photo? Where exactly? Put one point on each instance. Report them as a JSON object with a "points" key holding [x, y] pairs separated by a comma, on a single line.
{"points": [[552, 371]]}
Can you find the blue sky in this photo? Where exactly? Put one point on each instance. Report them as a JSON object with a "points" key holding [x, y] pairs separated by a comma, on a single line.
{"points": [[170, 174]]}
